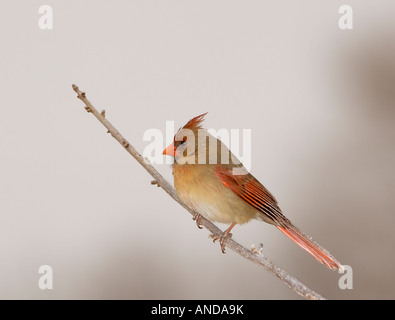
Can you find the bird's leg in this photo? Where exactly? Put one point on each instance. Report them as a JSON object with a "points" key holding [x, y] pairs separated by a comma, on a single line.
{"points": [[222, 238], [196, 217]]}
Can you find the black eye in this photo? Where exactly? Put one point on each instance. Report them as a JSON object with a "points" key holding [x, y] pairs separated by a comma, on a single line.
{"points": [[178, 143]]}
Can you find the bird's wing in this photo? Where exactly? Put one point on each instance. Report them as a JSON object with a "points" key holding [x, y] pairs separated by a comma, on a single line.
{"points": [[249, 189], [255, 194]]}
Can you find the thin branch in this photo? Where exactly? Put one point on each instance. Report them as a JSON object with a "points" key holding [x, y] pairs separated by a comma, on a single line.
{"points": [[253, 255]]}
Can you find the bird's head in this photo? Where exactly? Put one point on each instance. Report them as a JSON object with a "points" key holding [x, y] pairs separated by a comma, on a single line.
{"points": [[192, 144], [185, 147]]}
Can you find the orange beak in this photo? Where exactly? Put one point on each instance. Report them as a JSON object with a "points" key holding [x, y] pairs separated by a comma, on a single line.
{"points": [[170, 150]]}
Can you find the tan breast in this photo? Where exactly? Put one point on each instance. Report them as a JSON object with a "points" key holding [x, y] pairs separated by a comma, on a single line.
{"points": [[199, 187]]}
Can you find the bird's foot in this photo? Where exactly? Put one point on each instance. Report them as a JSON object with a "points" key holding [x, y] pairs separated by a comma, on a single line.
{"points": [[222, 239], [196, 217]]}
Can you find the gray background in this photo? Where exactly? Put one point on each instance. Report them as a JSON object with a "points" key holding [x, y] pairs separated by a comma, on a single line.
{"points": [[318, 100]]}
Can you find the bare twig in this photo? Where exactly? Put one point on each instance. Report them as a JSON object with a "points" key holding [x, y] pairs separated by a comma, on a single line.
{"points": [[253, 255]]}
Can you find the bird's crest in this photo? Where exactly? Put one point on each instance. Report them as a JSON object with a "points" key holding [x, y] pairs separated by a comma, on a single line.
{"points": [[195, 123]]}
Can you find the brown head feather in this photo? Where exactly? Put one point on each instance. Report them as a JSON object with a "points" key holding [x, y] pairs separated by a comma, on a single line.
{"points": [[195, 123]]}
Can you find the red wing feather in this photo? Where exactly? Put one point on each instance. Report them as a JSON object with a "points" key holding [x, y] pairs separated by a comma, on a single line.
{"points": [[255, 194]]}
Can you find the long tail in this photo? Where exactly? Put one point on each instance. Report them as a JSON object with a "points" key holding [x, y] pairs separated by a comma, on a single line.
{"points": [[311, 247]]}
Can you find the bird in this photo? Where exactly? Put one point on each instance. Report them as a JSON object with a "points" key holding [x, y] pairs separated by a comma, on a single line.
{"points": [[212, 181]]}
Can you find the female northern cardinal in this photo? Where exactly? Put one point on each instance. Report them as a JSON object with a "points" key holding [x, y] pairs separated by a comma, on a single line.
{"points": [[211, 180]]}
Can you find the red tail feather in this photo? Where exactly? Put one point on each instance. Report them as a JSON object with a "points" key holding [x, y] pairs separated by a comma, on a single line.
{"points": [[311, 247]]}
